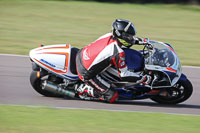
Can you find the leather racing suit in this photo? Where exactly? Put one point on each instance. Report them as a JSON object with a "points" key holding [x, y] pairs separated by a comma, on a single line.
{"points": [[97, 57]]}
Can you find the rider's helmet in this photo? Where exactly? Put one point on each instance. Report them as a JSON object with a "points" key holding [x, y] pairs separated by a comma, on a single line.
{"points": [[124, 31]]}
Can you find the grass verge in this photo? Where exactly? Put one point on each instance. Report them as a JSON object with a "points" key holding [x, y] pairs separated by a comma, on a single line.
{"points": [[18, 119]]}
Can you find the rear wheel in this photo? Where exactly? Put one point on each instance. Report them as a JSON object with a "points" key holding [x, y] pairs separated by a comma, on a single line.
{"points": [[37, 85], [180, 92]]}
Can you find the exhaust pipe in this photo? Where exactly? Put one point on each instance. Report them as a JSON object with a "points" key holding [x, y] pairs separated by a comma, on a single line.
{"points": [[49, 86]]}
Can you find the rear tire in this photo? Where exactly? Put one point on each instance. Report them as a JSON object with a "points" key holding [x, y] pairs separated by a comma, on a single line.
{"points": [[37, 86], [180, 92]]}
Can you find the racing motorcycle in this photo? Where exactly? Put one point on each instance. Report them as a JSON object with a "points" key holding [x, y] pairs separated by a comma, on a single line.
{"points": [[54, 73]]}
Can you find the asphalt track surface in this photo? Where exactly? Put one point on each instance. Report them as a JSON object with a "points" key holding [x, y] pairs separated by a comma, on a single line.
{"points": [[15, 89]]}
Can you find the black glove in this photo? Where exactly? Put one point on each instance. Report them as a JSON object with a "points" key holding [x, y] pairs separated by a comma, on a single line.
{"points": [[138, 41], [141, 41]]}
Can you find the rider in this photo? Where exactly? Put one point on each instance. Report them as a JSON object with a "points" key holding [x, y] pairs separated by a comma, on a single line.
{"points": [[103, 53]]}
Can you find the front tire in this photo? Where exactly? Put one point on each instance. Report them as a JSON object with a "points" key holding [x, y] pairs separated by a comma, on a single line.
{"points": [[180, 92]]}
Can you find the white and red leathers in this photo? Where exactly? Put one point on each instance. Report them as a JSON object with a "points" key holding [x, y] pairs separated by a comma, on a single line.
{"points": [[97, 57]]}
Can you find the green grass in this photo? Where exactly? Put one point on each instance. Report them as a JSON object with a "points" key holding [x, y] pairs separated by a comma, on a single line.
{"points": [[24, 24], [21, 119]]}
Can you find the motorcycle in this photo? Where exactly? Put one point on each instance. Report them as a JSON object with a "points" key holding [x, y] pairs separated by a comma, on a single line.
{"points": [[54, 73]]}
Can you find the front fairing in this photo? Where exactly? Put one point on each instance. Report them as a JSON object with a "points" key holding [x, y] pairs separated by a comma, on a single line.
{"points": [[163, 58]]}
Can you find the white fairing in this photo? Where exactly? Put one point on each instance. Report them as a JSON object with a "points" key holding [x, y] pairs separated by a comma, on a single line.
{"points": [[54, 58], [170, 63]]}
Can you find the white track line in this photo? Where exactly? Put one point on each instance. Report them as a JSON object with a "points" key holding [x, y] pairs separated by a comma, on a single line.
{"points": [[92, 109], [195, 67], [14, 55]]}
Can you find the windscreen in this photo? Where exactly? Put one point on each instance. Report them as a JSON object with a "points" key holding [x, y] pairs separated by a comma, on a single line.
{"points": [[160, 56]]}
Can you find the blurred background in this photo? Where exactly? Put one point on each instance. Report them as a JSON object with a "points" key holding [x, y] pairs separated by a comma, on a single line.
{"points": [[25, 24], [150, 1]]}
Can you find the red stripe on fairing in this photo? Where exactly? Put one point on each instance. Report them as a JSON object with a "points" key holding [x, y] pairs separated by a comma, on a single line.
{"points": [[56, 47], [170, 69], [171, 49], [94, 49]]}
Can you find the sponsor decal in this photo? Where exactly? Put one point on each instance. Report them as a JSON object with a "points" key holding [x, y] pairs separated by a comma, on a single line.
{"points": [[46, 62]]}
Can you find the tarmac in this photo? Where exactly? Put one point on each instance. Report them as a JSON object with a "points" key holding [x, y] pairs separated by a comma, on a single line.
{"points": [[15, 89]]}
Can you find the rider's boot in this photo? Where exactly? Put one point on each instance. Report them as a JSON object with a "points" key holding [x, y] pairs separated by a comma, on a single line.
{"points": [[88, 93]]}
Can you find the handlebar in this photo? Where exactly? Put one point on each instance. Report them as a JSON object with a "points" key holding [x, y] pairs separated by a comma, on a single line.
{"points": [[147, 48]]}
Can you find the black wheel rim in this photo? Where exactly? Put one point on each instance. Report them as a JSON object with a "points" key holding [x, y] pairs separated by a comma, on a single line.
{"points": [[177, 92]]}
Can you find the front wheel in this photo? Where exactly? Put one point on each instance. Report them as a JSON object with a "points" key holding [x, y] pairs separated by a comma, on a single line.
{"points": [[180, 92]]}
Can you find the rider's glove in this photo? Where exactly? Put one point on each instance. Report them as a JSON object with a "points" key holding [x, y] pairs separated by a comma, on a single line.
{"points": [[141, 41], [138, 41], [145, 42], [146, 80]]}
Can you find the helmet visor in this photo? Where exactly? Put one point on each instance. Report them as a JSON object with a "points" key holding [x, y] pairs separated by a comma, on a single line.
{"points": [[128, 38]]}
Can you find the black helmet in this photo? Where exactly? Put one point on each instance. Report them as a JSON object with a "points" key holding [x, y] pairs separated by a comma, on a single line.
{"points": [[124, 31]]}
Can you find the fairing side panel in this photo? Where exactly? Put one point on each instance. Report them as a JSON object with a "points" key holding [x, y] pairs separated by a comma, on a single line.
{"points": [[54, 58]]}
